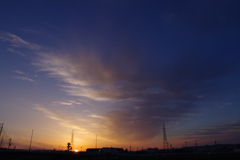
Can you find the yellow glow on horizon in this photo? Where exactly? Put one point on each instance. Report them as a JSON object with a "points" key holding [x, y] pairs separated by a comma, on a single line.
{"points": [[76, 150]]}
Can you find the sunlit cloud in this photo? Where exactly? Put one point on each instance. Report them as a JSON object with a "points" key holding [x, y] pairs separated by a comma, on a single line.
{"points": [[79, 122], [137, 96], [59, 67], [133, 103], [120, 76], [62, 118], [95, 116], [54, 116], [67, 103]]}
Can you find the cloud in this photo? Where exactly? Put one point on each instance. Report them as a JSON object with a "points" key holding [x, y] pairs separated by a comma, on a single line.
{"points": [[140, 92], [62, 118], [54, 116], [67, 103], [225, 132], [19, 72], [17, 41], [14, 51], [59, 67], [140, 99], [80, 122], [24, 78]]}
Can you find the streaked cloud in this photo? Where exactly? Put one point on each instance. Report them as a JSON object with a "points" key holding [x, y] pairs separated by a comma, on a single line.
{"points": [[138, 94], [62, 118], [66, 103], [78, 122], [119, 69], [19, 72], [135, 101], [15, 51], [17, 41], [59, 67], [54, 115], [24, 78], [225, 132]]}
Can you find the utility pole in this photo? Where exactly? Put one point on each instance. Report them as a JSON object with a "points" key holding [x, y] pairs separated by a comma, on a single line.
{"points": [[60, 146], [72, 139], [96, 142], [31, 141], [196, 144], [9, 143], [165, 142]]}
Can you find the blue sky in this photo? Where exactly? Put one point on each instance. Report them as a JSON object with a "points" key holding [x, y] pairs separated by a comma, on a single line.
{"points": [[119, 69]]}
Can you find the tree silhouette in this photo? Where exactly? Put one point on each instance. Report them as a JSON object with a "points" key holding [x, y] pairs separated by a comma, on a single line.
{"points": [[69, 148]]}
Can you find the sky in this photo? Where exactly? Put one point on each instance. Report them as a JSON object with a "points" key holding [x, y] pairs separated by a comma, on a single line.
{"points": [[110, 73]]}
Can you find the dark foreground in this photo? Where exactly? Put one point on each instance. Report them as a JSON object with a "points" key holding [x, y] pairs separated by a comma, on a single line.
{"points": [[79, 156]]}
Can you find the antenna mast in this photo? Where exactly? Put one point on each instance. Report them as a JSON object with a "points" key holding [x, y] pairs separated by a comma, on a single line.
{"points": [[72, 139], [31, 141], [165, 143], [96, 142], [9, 143]]}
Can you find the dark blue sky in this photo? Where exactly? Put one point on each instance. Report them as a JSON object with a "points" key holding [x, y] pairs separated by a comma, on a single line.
{"points": [[119, 69]]}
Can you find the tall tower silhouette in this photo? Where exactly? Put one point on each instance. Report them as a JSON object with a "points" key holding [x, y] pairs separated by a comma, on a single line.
{"points": [[72, 139], [1, 129], [165, 142]]}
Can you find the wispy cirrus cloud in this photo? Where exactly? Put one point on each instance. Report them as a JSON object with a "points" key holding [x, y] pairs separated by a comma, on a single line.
{"points": [[139, 96], [62, 118], [17, 41], [25, 78], [19, 72], [67, 103], [53, 115], [14, 51], [80, 122], [140, 102], [59, 67]]}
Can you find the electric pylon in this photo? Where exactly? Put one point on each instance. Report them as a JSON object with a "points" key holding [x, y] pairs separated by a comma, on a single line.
{"points": [[1, 129], [165, 142]]}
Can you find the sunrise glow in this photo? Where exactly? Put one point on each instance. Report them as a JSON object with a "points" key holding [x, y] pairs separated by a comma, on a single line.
{"points": [[119, 70]]}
